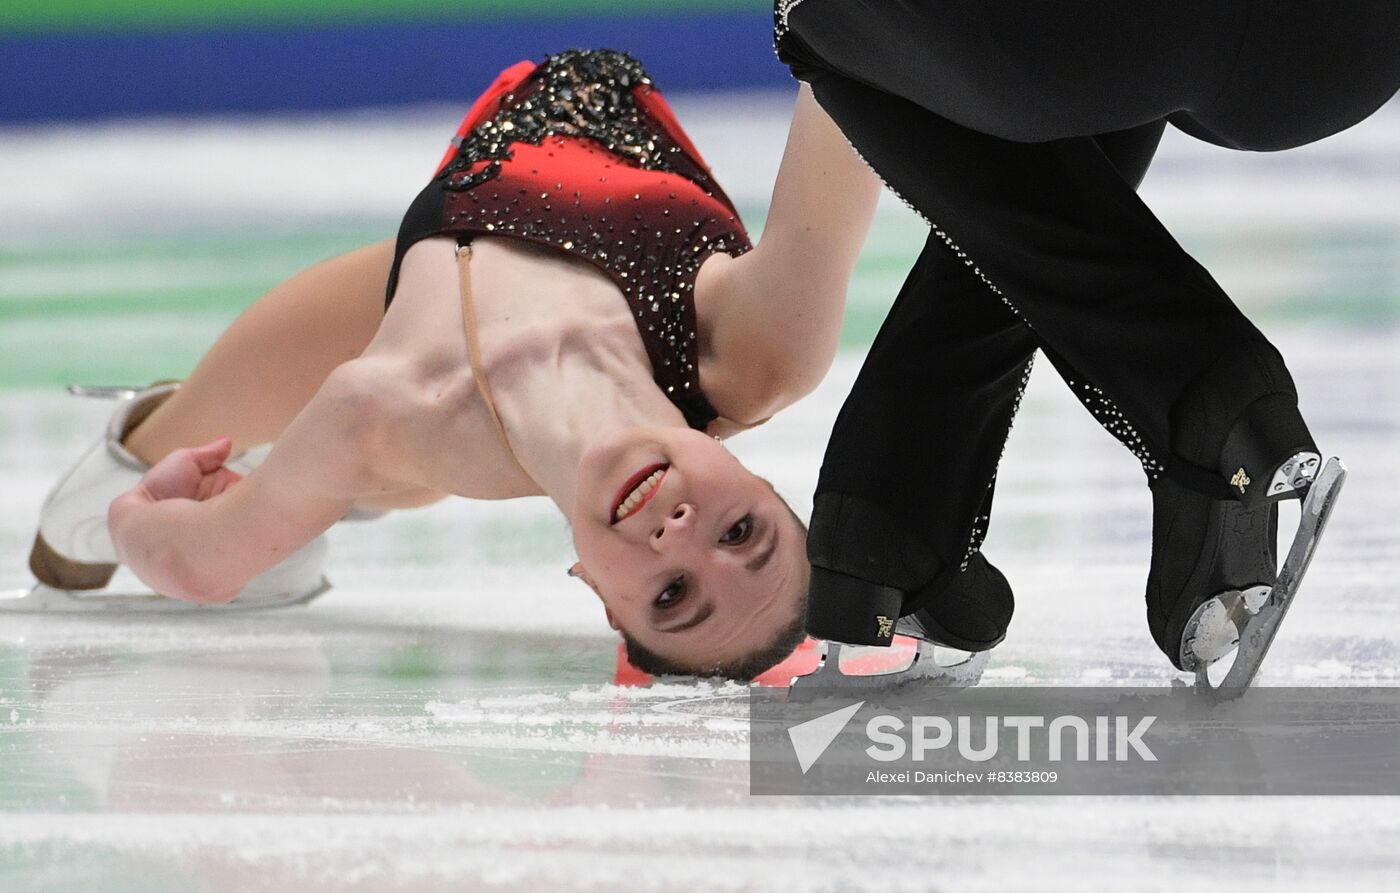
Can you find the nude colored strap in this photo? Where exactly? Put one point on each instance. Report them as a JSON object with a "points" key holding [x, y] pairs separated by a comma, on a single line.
{"points": [[464, 256]]}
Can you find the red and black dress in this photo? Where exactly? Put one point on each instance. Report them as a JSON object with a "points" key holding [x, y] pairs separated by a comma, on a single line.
{"points": [[581, 153]]}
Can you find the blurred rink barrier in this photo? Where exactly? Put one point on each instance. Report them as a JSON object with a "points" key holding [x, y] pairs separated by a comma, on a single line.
{"points": [[62, 60]]}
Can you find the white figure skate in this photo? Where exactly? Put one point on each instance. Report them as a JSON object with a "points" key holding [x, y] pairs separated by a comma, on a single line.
{"points": [[74, 559]]}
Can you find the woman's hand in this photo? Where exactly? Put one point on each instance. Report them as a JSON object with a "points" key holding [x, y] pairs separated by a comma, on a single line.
{"points": [[188, 532], [160, 527], [196, 473]]}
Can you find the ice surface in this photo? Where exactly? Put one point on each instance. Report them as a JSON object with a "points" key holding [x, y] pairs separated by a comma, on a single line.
{"points": [[448, 711], [449, 717]]}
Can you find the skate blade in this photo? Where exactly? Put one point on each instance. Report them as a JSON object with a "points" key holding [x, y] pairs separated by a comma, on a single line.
{"points": [[1214, 629], [103, 392], [43, 599], [1258, 633], [924, 671]]}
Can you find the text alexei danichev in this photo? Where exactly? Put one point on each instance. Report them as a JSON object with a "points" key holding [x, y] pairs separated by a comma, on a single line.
{"points": [[957, 776], [953, 776]]}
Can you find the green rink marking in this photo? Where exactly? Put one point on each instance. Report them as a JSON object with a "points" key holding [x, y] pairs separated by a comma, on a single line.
{"points": [[124, 302], [114, 324], [93, 355], [175, 15], [319, 239]]}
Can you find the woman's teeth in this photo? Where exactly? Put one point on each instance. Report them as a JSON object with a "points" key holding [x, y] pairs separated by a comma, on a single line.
{"points": [[638, 493]]}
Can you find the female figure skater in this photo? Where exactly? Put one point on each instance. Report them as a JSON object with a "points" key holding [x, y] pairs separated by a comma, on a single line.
{"points": [[573, 309], [1020, 132]]}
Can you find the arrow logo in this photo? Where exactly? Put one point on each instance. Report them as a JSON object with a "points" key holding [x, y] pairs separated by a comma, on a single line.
{"points": [[810, 739]]}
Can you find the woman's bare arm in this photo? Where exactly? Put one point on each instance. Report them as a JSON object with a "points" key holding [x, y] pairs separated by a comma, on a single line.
{"points": [[193, 530], [781, 304]]}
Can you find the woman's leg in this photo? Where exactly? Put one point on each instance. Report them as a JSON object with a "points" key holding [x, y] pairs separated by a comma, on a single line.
{"points": [[255, 379], [268, 364]]}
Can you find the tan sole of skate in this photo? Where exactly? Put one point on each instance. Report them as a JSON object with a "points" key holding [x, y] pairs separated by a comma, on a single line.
{"points": [[52, 569]]}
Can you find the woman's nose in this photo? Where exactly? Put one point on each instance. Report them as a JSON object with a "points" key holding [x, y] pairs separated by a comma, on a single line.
{"points": [[675, 524]]}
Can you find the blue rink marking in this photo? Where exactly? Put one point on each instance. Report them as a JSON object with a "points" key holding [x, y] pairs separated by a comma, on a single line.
{"points": [[56, 77]]}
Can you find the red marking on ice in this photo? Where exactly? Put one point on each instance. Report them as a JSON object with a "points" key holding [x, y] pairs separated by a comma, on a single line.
{"points": [[799, 663]]}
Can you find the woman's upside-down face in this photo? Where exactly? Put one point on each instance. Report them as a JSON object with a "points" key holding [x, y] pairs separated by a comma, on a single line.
{"points": [[694, 557]]}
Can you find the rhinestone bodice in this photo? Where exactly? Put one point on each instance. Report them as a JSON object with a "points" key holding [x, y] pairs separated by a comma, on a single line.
{"points": [[581, 153]]}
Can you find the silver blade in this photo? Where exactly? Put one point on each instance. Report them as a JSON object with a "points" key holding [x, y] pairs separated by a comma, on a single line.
{"points": [[924, 670], [1259, 633], [103, 392]]}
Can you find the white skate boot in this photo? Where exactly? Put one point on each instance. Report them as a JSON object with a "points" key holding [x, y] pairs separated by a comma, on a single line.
{"points": [[73, 553]]}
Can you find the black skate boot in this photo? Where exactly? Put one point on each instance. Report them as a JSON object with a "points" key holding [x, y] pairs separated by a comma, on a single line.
{"points": [[1214, 581], [1213, 567], [939, 604], [969, 609]]}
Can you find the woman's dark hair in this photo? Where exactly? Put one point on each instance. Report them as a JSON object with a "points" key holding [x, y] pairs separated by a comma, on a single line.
{"points": [[742, 670]]}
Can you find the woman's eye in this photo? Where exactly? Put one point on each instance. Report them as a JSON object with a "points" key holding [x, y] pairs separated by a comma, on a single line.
{"points": [[672, 594], [741, 531]]}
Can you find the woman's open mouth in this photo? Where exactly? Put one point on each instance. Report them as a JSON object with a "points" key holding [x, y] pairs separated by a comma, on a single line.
{"points": [[638, 491]]}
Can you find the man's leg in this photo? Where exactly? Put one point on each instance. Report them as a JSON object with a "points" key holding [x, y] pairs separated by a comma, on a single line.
{"points": [[909, 472], [1143, 335], [905, 486], [916, 444], [978, 113], [1058, 238], [979, 118]]}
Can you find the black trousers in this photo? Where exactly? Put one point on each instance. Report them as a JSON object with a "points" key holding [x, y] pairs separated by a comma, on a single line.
{"points": [[1020, 132]]}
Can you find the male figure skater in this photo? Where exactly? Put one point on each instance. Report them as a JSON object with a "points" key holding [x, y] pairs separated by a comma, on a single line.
{"points": [[1020, 133]]}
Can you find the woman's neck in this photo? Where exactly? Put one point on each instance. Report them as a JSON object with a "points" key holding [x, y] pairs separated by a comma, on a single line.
{"points": [[564, 407], [564, 366]]}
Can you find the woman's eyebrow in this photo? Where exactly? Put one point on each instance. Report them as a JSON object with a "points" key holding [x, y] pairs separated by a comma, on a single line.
{"points": [[694, 620], [756, 563]]}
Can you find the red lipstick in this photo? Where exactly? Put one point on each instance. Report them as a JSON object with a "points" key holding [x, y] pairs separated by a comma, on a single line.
{"points": [[630, 485]]}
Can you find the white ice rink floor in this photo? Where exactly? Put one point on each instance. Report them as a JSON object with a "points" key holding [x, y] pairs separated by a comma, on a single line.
{"points": [[449, 718]]}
